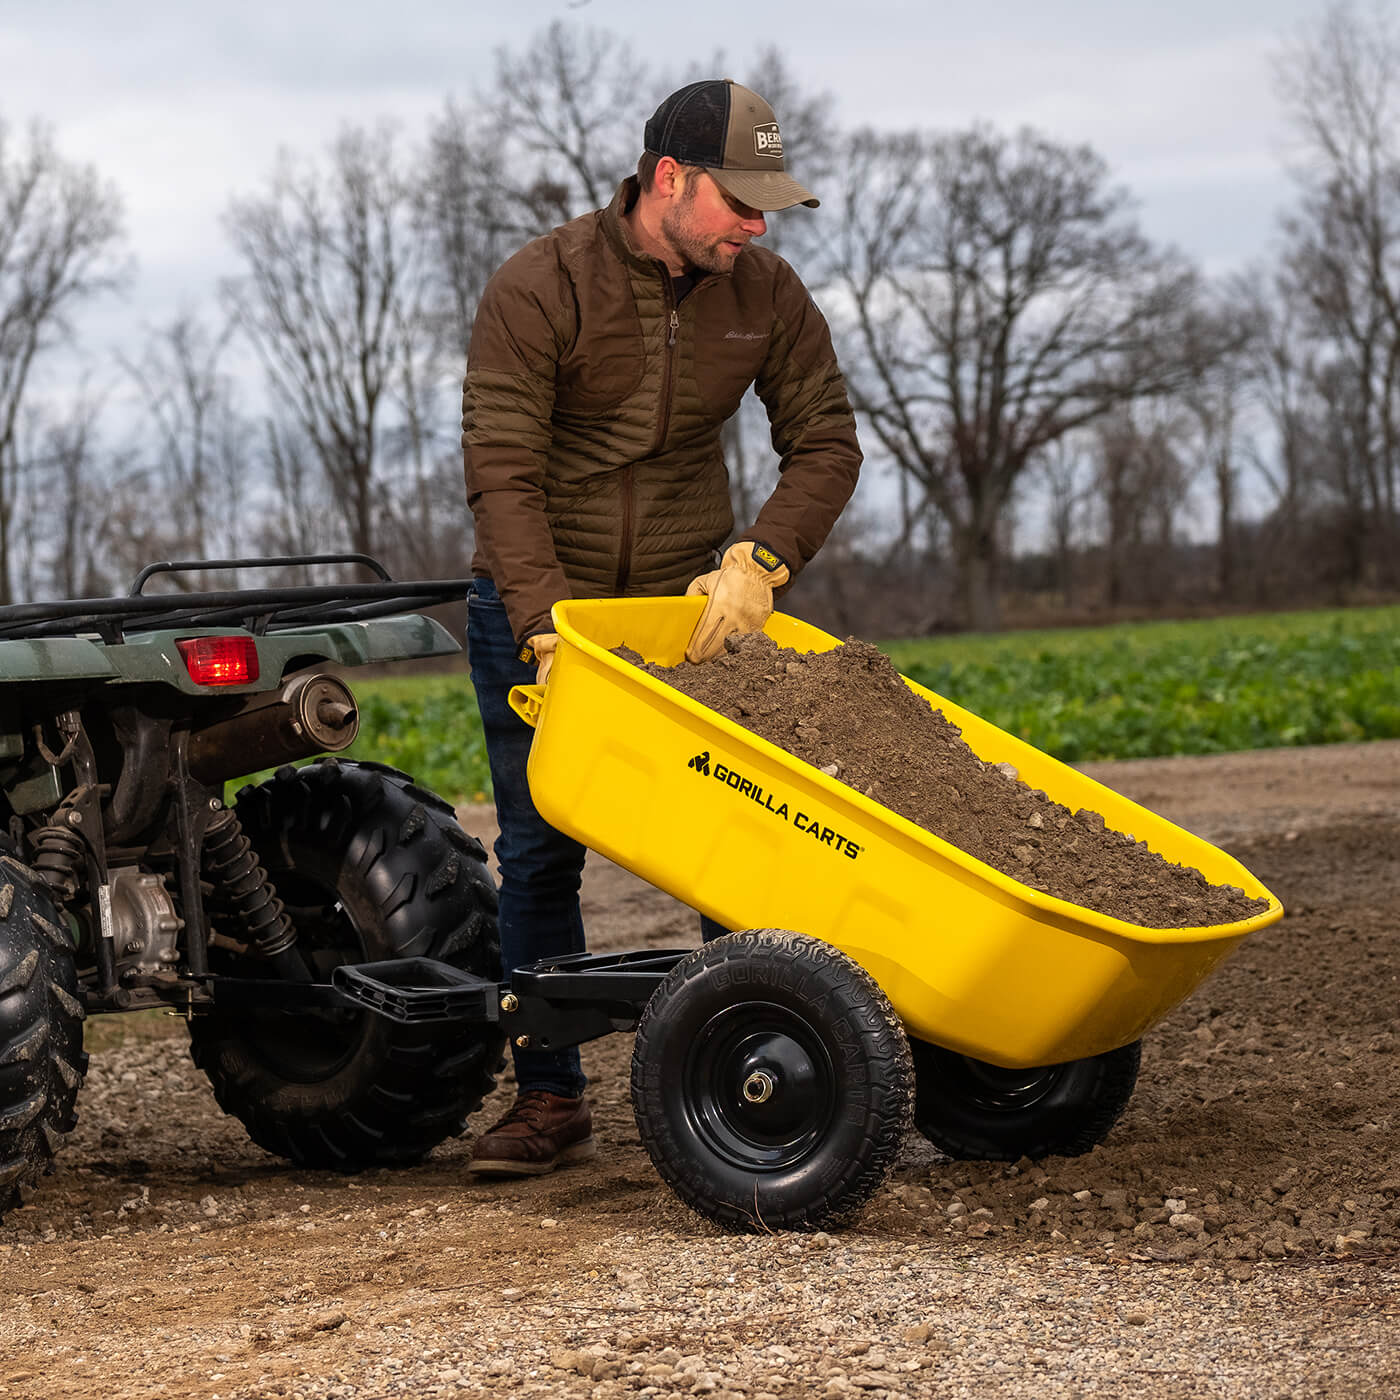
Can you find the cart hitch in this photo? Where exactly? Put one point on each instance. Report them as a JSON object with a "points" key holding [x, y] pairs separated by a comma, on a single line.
{"points": [[547, 1004], [558, 1002]]}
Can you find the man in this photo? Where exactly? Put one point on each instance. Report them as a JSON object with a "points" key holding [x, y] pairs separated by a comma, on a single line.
{"points": [[604, 360]]}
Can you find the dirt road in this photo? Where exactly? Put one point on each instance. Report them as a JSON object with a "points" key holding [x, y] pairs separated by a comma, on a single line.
{"points": [[1238, 1234]]}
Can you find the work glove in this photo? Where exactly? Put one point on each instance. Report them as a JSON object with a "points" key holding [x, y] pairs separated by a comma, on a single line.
{"points": [[540, 650], [740, 594]]}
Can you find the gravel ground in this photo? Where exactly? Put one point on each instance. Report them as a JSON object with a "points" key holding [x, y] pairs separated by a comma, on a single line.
{"points": [[1237, 1235]]}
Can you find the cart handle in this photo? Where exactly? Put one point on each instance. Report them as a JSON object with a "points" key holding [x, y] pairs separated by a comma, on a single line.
{"points": [[527, 701]]}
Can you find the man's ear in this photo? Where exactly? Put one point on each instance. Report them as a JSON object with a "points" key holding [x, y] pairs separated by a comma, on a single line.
{"points": [[669, 178]]}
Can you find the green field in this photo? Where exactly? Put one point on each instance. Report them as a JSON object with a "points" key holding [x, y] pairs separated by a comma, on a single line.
{"points": [[1128, 691]]}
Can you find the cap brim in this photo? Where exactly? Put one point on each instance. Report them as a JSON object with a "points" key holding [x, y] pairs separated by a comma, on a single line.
{"points": [[768, 190]]}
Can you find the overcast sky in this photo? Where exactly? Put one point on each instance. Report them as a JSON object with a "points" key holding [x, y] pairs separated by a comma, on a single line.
{"points": [[184, 105]]}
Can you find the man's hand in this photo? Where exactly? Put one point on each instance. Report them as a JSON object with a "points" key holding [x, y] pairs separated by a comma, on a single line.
{"points": [[540, 650], [740, 594]]}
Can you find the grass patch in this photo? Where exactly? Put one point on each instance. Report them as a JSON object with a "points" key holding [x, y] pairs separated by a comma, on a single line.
{"points": [[1153, 689]]}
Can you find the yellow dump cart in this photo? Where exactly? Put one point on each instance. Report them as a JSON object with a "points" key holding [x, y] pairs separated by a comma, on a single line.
{"points": [[872, 962]]}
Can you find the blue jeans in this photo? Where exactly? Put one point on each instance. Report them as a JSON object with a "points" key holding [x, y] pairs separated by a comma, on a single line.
{"points": [[540, 867]]}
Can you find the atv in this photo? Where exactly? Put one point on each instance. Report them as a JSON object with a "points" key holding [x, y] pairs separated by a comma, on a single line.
{"points": [[129, 881]]}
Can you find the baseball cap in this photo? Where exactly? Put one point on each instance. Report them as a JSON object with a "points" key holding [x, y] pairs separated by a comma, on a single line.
{"points": [[731, 132]]}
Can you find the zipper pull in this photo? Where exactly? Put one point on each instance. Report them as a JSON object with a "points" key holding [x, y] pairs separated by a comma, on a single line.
{"points": [[675, 325]]}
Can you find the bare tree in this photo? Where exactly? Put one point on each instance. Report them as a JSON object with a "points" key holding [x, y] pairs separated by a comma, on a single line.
{"points": [[1221, 344], [1341, 81], [996, 296], [570, 109], [335, 300], [1144, 477], [465, 219], [1064, 473], [74, 474], [1287, 382], [64, 498], [298, 525], [60, 236], [85, 523], [199, 456]]}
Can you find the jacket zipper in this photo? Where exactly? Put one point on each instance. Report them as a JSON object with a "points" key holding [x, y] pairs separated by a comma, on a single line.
{"points": [[624, 563]]}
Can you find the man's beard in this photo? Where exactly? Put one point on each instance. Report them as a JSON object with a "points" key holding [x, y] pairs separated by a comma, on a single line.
{"points": [[703, 255]]}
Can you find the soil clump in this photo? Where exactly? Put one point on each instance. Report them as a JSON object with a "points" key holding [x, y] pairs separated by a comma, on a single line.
{"points": [[849, 713]]}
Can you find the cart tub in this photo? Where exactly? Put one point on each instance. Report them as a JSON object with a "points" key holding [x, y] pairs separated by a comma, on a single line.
{"points": [[728, 823]]}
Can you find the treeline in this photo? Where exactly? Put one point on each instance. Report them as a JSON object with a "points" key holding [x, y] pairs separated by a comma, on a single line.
{"points": [[1049, 402]]}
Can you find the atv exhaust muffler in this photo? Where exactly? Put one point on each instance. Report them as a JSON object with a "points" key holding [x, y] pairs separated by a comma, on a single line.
{"points": [[310, 715]]}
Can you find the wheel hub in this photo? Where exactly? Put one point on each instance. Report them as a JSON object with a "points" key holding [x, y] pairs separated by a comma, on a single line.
{"points": [[759, 1086]]}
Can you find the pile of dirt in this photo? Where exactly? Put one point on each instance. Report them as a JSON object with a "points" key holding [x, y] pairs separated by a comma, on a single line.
{"points": [[848, 712]]}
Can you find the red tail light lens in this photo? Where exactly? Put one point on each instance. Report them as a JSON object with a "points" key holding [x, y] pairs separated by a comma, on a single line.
{"points": [[220, 660]]}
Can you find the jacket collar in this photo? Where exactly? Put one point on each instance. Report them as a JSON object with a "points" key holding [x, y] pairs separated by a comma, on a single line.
{"points": [[616, 230]]}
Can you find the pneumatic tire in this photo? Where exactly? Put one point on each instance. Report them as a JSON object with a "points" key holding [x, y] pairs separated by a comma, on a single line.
{"points": [[42, 1062], [975, 1111], [370, 868], [771, 1082]]}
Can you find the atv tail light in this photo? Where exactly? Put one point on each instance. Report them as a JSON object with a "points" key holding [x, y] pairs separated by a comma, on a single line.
{"points": [[220, 660]]}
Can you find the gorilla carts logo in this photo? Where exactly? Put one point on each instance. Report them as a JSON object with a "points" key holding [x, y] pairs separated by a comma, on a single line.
{"points": [[770, 802], [768, 141]]}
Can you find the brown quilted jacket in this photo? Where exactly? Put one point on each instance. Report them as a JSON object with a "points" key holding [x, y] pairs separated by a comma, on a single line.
{"points": [[592, 408]]}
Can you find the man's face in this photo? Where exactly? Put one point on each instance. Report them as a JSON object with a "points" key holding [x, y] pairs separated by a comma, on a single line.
{"points": [[708, 227]]}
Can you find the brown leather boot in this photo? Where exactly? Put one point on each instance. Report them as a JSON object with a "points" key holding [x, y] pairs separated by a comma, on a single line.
{"points": [[542, 1131]]}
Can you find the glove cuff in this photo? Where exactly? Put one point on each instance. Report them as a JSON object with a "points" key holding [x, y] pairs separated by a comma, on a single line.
{"points": [[537, 647], [758, 558]]}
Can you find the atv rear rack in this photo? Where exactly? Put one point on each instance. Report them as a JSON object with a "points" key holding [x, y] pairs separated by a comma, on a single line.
{"points": [[258, 610]]}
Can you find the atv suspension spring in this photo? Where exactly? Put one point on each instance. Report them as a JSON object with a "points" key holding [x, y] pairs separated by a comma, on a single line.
{"points": [[58, 856], [233, 865]]}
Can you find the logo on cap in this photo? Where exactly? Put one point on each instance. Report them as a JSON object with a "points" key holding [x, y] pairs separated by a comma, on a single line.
{"points": [[767, 141]]}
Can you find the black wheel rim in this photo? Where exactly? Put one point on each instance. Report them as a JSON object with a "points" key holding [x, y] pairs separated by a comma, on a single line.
{"points": [[999, 1090], [310, 1046], [759, 1088]]}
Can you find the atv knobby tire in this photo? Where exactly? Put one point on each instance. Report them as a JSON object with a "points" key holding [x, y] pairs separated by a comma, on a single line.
{"points": [[974, 1111], [771, 1082], [41, 1031], [370, 867]]}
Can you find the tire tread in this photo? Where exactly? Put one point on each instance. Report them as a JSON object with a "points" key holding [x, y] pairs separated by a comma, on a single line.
{"points": [[846, 995]]}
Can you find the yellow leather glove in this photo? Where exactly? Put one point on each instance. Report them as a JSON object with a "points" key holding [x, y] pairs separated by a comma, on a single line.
{"points": [[540, 650], [740, 594]]}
